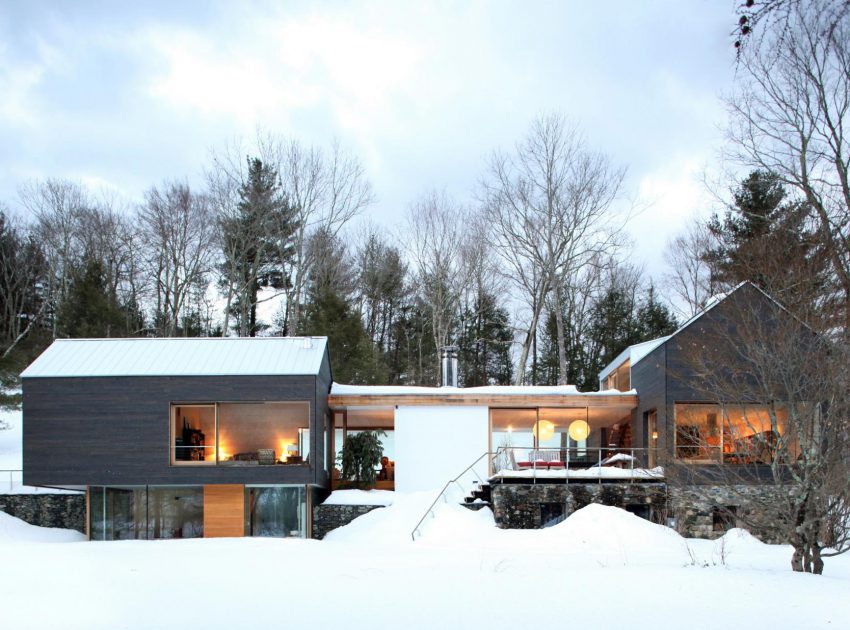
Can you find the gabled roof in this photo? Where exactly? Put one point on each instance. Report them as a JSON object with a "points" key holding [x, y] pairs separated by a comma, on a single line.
{"points": [[632, 354], [173, 356], [638, 351]]}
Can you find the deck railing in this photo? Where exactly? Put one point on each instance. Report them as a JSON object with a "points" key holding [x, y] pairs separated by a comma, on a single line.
{"points": [[552, 464]]}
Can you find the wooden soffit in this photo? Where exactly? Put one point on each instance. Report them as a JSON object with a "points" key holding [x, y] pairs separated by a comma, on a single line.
{"points": [[341, 401]]}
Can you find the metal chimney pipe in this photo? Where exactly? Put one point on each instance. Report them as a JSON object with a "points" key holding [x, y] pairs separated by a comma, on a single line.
{"points": [[448, 366]]}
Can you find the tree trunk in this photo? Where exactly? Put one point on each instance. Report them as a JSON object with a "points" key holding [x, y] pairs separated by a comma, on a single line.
{"points": [[526, 345], [562, 351]]}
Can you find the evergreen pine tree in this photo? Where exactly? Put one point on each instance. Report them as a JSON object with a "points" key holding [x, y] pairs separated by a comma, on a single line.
{"points": [[484, 345], [89, 310], [258, 241], [768, 240], [654, 319], [615, 326], [354, 356]]}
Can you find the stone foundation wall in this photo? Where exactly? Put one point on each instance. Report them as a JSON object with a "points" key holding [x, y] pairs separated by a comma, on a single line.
{"points": [[328, 517], [696, 514], [67, 511], [524, 506]]}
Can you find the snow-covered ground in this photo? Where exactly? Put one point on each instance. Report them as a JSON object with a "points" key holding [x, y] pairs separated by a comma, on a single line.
{"points": [[601, 568]]}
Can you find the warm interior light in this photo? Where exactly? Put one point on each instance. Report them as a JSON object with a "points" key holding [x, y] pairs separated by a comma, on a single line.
{"points": [[579, 430], [544, 430], [655, 435]]}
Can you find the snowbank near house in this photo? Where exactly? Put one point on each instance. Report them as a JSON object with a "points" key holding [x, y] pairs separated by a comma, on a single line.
{"points": [[600, 568], [360, 497], [14, 530]]}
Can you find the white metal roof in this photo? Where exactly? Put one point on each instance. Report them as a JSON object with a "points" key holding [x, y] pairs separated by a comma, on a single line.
{"points": [[173, 356], [632, 354]]}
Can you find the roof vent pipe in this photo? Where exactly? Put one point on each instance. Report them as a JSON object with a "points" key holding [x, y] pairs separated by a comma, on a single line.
{"points": [[448, 366]]}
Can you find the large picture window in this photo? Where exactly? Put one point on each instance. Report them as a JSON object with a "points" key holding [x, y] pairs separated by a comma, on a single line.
{"points": [[125, 513], [731, 434], [240, 434], [279, 511]]}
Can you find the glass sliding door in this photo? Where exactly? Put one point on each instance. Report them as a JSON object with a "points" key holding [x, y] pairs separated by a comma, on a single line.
{"points": [[117, 513], [276, 511], [175, 512], [139, 512]]}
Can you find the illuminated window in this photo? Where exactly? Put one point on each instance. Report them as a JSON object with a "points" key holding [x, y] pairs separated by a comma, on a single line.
{"points": [[240, 434], [732, 434]]}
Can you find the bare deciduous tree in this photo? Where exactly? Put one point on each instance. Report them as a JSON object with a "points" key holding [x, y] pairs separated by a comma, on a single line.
{"points": [[22, 270], [56, 205], [689, 277], [790, 117], [177, 229], [549, 205], [437, 231], [788, 389]]}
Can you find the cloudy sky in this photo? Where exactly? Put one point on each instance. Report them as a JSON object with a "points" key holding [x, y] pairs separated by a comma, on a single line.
{"points": [[126, 95]]}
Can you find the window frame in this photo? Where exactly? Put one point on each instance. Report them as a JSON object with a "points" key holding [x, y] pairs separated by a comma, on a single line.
{"points": [[173, 462]]}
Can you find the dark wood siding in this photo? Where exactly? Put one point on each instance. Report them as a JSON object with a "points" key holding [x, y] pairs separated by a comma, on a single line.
{"points": [[648, 377], [323, 388], [115, 431], [667, 376]]}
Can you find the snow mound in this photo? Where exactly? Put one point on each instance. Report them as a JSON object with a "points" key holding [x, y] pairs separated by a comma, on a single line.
{"points": [[593, 534], [360, 497], [14, 530], [391, 524], [601, 526]]}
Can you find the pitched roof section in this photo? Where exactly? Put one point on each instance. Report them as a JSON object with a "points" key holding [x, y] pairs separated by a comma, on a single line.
{"points": [[198, 356], [643, 349], [633, 354]]}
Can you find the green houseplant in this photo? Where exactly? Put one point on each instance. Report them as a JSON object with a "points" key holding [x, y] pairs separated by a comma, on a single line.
{"points": [[360, 457]]}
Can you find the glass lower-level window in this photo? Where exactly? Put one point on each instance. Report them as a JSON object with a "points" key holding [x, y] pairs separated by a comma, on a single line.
{"points": [[146, 512], [276, 511], [118, 513]]}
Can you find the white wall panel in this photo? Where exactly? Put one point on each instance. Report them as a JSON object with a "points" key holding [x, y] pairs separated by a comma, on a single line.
{"points": [[434, 444]]}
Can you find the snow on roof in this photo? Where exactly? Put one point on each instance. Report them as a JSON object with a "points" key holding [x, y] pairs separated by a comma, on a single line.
{"points": [[638, 351], [196, 356], [338, 389], [633, 354]]}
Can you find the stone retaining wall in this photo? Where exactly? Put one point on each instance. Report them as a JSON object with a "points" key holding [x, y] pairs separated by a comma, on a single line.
{"points": [[67, 511], [706, 511], [527, 506], [328, 517]]}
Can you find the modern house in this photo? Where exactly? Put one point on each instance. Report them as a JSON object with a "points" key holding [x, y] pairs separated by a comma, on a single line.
{"points": [[234, 436], [182, 437]]}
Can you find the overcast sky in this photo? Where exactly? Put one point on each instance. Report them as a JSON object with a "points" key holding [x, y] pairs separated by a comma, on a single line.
{"points": [[126, 95]]}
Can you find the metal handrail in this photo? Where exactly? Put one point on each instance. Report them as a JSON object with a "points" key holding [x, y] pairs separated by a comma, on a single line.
{"points": [[11, 472], [430, 510], [534, 467]]}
